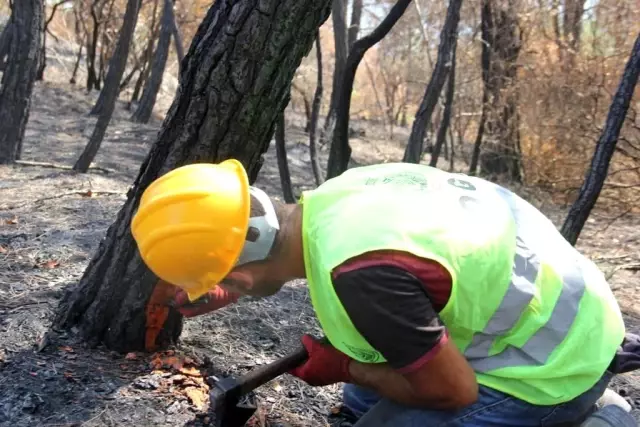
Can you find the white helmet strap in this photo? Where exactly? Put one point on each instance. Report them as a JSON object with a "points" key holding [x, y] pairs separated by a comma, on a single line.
{"points": [[264, 227]]}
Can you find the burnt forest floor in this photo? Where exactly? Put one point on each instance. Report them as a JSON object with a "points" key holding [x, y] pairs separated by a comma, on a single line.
{"points": [[51, 221]]}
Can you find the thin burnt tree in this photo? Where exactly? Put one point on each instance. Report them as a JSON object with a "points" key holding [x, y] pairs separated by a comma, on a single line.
{"points": [[341, 50], [177, 37], [446, 115], [605, 148], [5, 43], [226, 106], [485, 60], [448, 37], [118, 60], [354, 25], [283, 162], [19, 76], [109, 93], [147, 56], [43, 48], [315, 115], [340, 152], [152, 86]]}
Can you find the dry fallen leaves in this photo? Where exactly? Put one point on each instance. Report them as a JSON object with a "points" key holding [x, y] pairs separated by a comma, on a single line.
{"points": [[197, 397], [3, 250], [131, 356], [66, 349], [187, 380], [11, 221]]}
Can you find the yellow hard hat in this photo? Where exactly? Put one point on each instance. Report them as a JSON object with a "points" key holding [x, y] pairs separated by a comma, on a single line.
{"points": [[192, 222]]}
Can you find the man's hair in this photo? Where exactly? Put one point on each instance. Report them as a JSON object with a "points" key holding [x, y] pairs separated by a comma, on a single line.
{"points": [[256, 209]]}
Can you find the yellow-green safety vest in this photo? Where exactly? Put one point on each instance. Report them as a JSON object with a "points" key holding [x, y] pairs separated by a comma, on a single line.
{"points": [[532, 316]]}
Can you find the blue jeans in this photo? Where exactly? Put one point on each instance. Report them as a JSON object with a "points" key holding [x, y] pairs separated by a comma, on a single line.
{"points": [[493, 408]]}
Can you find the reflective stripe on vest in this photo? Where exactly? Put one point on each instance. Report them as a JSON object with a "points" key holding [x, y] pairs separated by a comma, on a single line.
{"points": [[521, 291]]}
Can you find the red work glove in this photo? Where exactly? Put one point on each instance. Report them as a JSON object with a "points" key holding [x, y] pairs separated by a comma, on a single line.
{"points": [[325, 364], [211, 301]]}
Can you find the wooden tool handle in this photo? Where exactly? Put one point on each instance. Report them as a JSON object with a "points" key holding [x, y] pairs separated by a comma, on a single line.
{"points": [[259, 376]]}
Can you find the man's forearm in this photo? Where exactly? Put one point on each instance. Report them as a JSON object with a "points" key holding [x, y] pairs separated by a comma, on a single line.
{"points": [[390, 384]]}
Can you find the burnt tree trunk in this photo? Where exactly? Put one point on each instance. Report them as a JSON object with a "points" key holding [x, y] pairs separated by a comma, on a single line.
{"points": [[118, 61], [446, 115], [605, 148], [315, 114], [501, 154], [448, 36], [338, 17], [109, 93], [283, 163], [152, 86], [229, 97], [19, 76], [340, 152]]}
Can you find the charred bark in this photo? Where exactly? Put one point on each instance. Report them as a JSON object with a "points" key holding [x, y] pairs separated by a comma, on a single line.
{"points": [[152, 87], [340, 152], [109, 93], [283, 163], [605, 148], [19, 77], [446, 115], [448, 37], [315, 114], [228, 100]]}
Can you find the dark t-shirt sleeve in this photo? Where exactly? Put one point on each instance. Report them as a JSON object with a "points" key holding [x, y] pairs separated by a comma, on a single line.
{"points": [[391, 309]]}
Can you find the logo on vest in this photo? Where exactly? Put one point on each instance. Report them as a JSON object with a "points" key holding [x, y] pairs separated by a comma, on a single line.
{"points": [[370, 356], [403, 178]]}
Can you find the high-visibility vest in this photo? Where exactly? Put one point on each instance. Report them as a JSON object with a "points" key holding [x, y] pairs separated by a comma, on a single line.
{"points": [[532, 316]]}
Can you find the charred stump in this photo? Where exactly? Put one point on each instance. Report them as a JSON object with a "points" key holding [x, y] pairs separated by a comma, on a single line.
{"points": [[19, 76], [229, 97]]}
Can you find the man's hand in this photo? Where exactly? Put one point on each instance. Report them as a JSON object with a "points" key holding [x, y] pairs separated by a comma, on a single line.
{"points": [[211, 301], [325, 365]]}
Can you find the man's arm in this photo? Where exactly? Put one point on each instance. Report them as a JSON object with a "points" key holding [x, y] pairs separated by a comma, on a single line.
{"points": [[392, 310], [445, 382]]}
